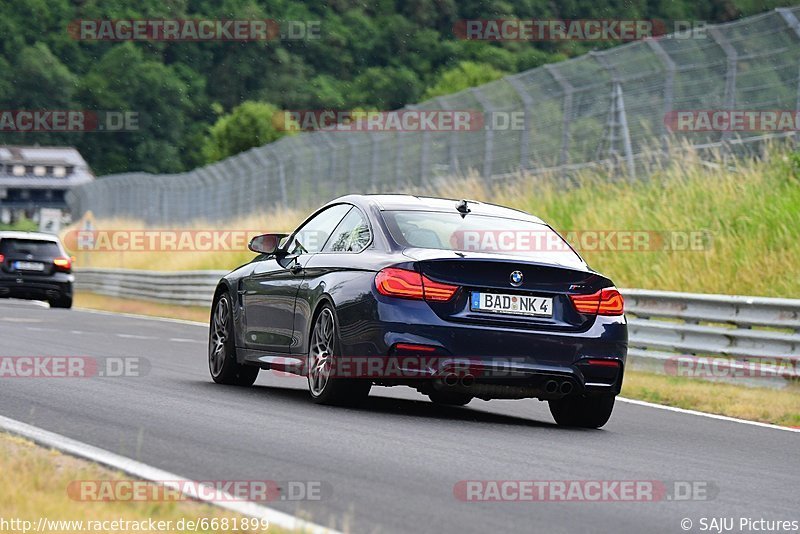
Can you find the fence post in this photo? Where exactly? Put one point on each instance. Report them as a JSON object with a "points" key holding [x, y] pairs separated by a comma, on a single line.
{"points": [[527, 109], [669, 87], [452, 159], [730, 74], [373, 163], [262, 166], [791, 20], [617, 116], [424, 157], [488, 146], [398, 161], [350, 177], [566, 111], [325, 136], [410, 138]]}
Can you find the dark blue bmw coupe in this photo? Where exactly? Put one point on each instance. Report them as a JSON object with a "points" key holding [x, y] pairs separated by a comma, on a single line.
{"points": [[456, 298]]}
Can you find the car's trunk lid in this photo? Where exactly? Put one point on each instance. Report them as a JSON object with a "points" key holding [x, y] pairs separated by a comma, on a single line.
{"points": [[538, 291]]}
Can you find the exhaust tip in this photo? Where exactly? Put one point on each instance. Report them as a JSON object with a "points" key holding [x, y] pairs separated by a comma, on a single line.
{"points": [[551, 386], [566, 388], [468, 380], [451, 379]]}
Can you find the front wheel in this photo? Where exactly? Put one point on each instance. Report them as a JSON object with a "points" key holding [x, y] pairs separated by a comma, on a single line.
{"points": [[584, 412], [222, 349], [321, 369]]}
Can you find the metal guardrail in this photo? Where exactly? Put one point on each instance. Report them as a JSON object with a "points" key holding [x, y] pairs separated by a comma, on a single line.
{"points": [[751, 340], [746, 340], [182, 288]]}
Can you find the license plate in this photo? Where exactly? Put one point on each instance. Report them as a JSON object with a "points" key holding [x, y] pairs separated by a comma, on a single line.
{"points": [[512, 304], [28, 266]]}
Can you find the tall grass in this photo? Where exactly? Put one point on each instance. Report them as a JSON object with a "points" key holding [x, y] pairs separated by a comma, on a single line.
{"points": [[750, 209]]}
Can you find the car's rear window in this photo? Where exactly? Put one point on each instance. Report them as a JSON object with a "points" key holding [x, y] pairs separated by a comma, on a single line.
{"points": [[36, 247], [479, 233]]}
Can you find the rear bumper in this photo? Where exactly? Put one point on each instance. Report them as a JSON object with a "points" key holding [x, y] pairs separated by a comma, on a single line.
{"points": [[37, 288], [489, 361]]}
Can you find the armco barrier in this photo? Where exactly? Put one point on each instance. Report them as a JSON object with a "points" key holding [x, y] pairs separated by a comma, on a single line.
{"points": [[183, 288], [666, 328]]}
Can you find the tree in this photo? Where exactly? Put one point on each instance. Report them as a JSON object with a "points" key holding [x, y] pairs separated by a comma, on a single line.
{"points": [[386, 88], [41, 81], [126, 80], [466, 74], [248, 125]]}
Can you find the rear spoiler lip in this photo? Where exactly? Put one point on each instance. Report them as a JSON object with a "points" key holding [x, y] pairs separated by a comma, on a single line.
{"points": [[433, 255]]}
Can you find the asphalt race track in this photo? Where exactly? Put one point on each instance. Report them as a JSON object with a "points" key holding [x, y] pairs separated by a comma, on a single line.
{"points": [[391, 465]]}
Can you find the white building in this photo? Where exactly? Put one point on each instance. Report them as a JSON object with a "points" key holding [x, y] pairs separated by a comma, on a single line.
{"points": [[36, 177]]}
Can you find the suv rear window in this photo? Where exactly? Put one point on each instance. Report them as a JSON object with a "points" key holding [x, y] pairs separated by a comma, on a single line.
{"points": [[39, 248]]}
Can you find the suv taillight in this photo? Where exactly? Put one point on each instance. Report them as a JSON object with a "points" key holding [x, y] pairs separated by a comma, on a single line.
{"points": [[402, 283], [63, 264], [607, 301]]}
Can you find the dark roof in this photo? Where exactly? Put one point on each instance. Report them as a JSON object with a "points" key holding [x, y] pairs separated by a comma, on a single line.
{"points": [[78, 171], [424, 203]]}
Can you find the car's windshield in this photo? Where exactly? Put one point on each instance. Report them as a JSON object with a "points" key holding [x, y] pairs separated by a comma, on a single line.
{"points": [[479, 233]]}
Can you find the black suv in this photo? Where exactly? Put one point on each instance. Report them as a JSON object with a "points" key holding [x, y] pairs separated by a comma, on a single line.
{"points": [[35, 266]]}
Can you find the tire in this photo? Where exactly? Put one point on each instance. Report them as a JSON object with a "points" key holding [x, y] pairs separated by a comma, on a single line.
{"points": [[222, 362], [449, 398], [323, 349], [583, 412], [63, 302]]}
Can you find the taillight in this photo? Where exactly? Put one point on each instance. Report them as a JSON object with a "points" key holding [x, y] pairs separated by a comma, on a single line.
{"points": [[402, 283], [63, 264], [437, 291], [607, 301], [2, 258]]}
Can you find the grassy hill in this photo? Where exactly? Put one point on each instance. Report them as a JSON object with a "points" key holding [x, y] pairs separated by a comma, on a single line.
{"points": [[747, 212]]}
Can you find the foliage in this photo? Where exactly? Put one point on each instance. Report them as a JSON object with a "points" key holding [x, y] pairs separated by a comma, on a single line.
{"points": [[465, 74], [248, 125], [22, 225], [381, 54]]}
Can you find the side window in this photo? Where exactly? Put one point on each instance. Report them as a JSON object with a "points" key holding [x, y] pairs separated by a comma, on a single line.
{"points": [[313, 235], [352, 234]]}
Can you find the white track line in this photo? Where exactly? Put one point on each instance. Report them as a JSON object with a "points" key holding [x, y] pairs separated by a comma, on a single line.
{"points": [[149, 317], [706, 414], [146, 472]]}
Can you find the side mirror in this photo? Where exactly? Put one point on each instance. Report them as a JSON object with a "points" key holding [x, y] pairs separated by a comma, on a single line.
{"points": [[266, 243]]}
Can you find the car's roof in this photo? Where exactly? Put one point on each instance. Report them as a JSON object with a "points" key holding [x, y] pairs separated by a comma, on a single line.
{"points": [[28, 235], [389, 202]]}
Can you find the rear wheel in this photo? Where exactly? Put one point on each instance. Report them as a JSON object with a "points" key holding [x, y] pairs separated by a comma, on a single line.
{"points": [[324, 385], [585, 412], [63, 301], [222, 349], [450, 398]]}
